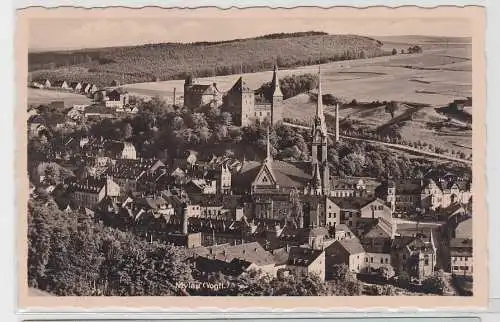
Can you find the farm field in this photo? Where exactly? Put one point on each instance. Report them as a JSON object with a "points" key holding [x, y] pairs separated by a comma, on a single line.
{"points": [[41, 96], [435, 77]]}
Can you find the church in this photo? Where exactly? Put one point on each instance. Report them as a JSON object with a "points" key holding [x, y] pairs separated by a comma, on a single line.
{"points": [[249, 106], [275, 177]]}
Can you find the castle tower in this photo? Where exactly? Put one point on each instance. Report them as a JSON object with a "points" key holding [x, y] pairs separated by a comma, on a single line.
{"points": [[242, 103], [276, 105], [319, 146]]}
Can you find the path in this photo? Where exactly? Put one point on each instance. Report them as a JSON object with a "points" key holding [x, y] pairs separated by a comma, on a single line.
{"points": [[392, 145]]}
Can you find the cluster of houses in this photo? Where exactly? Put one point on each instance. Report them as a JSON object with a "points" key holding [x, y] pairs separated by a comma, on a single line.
{"points": [[235, 215], [77, 87]]}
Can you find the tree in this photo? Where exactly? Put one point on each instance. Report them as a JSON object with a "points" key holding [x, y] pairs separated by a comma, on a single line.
{"points": [[127, 130], [404, 280], [392, 107], [435, 284], [340, 272], [394, 51], [386, 272]]}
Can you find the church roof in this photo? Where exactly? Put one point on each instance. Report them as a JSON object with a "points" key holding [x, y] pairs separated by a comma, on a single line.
{"points": [[287, 174]]}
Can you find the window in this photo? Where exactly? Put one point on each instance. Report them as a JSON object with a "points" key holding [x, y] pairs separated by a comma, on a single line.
{"points": [[366, 260], [381, 261], [387, 260], [466, 258], [329, 215], [426, 262], [466, 268], [334, 215], [371, 259], [455, 268], [358, 256]]}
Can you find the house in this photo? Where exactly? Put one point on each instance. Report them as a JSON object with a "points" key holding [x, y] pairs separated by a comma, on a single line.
{"points": [[93, 88], [199, 95], [416, 255], [128, 172], [234, 259], [117, 98], [208, 187], [41, 83], [85, 88], [36, 125], [90, 192], [60, 84], [349, 252], [354, 209], [76, 86], [461, 256], [97, 111], [120, 150], [301, 261], [349, 187]]}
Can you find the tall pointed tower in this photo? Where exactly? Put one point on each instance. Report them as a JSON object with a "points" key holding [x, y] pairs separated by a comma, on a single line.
{"points": [[266, 181], [277, 102], [319, 148]]}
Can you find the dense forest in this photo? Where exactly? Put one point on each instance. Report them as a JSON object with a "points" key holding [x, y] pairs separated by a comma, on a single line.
{"points": [[168, 61]]}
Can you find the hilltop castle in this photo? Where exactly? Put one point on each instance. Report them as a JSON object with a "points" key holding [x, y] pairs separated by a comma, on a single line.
{"points": [[246, 105]]}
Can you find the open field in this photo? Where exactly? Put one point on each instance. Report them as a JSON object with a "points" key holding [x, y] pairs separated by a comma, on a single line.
{"points": [[435, 77], [43, 96]]}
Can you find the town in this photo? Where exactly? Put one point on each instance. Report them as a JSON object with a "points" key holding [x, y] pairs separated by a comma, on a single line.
{"points": [[266, 207]]}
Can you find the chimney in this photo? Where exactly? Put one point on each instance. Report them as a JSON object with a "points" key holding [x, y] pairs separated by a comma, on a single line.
{"points": [[185, 221], [337, 117], [173, 101]]}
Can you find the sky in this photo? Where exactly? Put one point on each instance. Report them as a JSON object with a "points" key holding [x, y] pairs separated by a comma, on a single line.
{"points": [[61, 33]]}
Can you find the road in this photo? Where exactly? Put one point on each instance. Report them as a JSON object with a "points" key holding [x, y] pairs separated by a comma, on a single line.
{"points": [[392, 145]]}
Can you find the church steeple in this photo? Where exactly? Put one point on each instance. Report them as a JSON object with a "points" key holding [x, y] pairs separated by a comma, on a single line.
{"points": [[320, 117], [277, 99], [319, 148], [269, 157], [276, 84]]}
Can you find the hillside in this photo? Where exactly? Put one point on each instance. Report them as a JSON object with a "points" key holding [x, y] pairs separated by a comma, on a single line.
{"points": [[168, 61]]}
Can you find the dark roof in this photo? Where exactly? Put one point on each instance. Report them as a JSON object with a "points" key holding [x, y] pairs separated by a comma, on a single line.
{"points": [[241, 87], [89, 185], [353, 202], [461, 247], [38, 119], [250, 252], [301, 256], [317, 231], [58, 83], [225, 201], [408, 186], [288, 175], [98, 109], [352, 246], [378, 246]]}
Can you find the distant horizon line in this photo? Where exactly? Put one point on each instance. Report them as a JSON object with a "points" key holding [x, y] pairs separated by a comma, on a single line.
{"points": [[65, 49]]}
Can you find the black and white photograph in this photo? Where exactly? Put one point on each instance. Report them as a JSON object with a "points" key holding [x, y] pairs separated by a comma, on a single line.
{"points": [[275, 153]]}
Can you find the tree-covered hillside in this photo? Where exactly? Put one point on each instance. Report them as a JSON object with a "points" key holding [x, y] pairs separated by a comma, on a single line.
{"points": [[167, 61]]}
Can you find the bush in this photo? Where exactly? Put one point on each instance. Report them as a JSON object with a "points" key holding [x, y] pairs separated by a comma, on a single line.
{"points": [[435, 284]]}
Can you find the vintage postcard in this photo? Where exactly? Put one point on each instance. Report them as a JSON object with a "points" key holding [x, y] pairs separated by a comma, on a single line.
{"points": [[251, 158]]}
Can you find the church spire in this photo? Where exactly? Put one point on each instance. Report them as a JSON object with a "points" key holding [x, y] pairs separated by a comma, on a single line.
{"points": [[320, 117], [276, 83], [268, 148]]}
